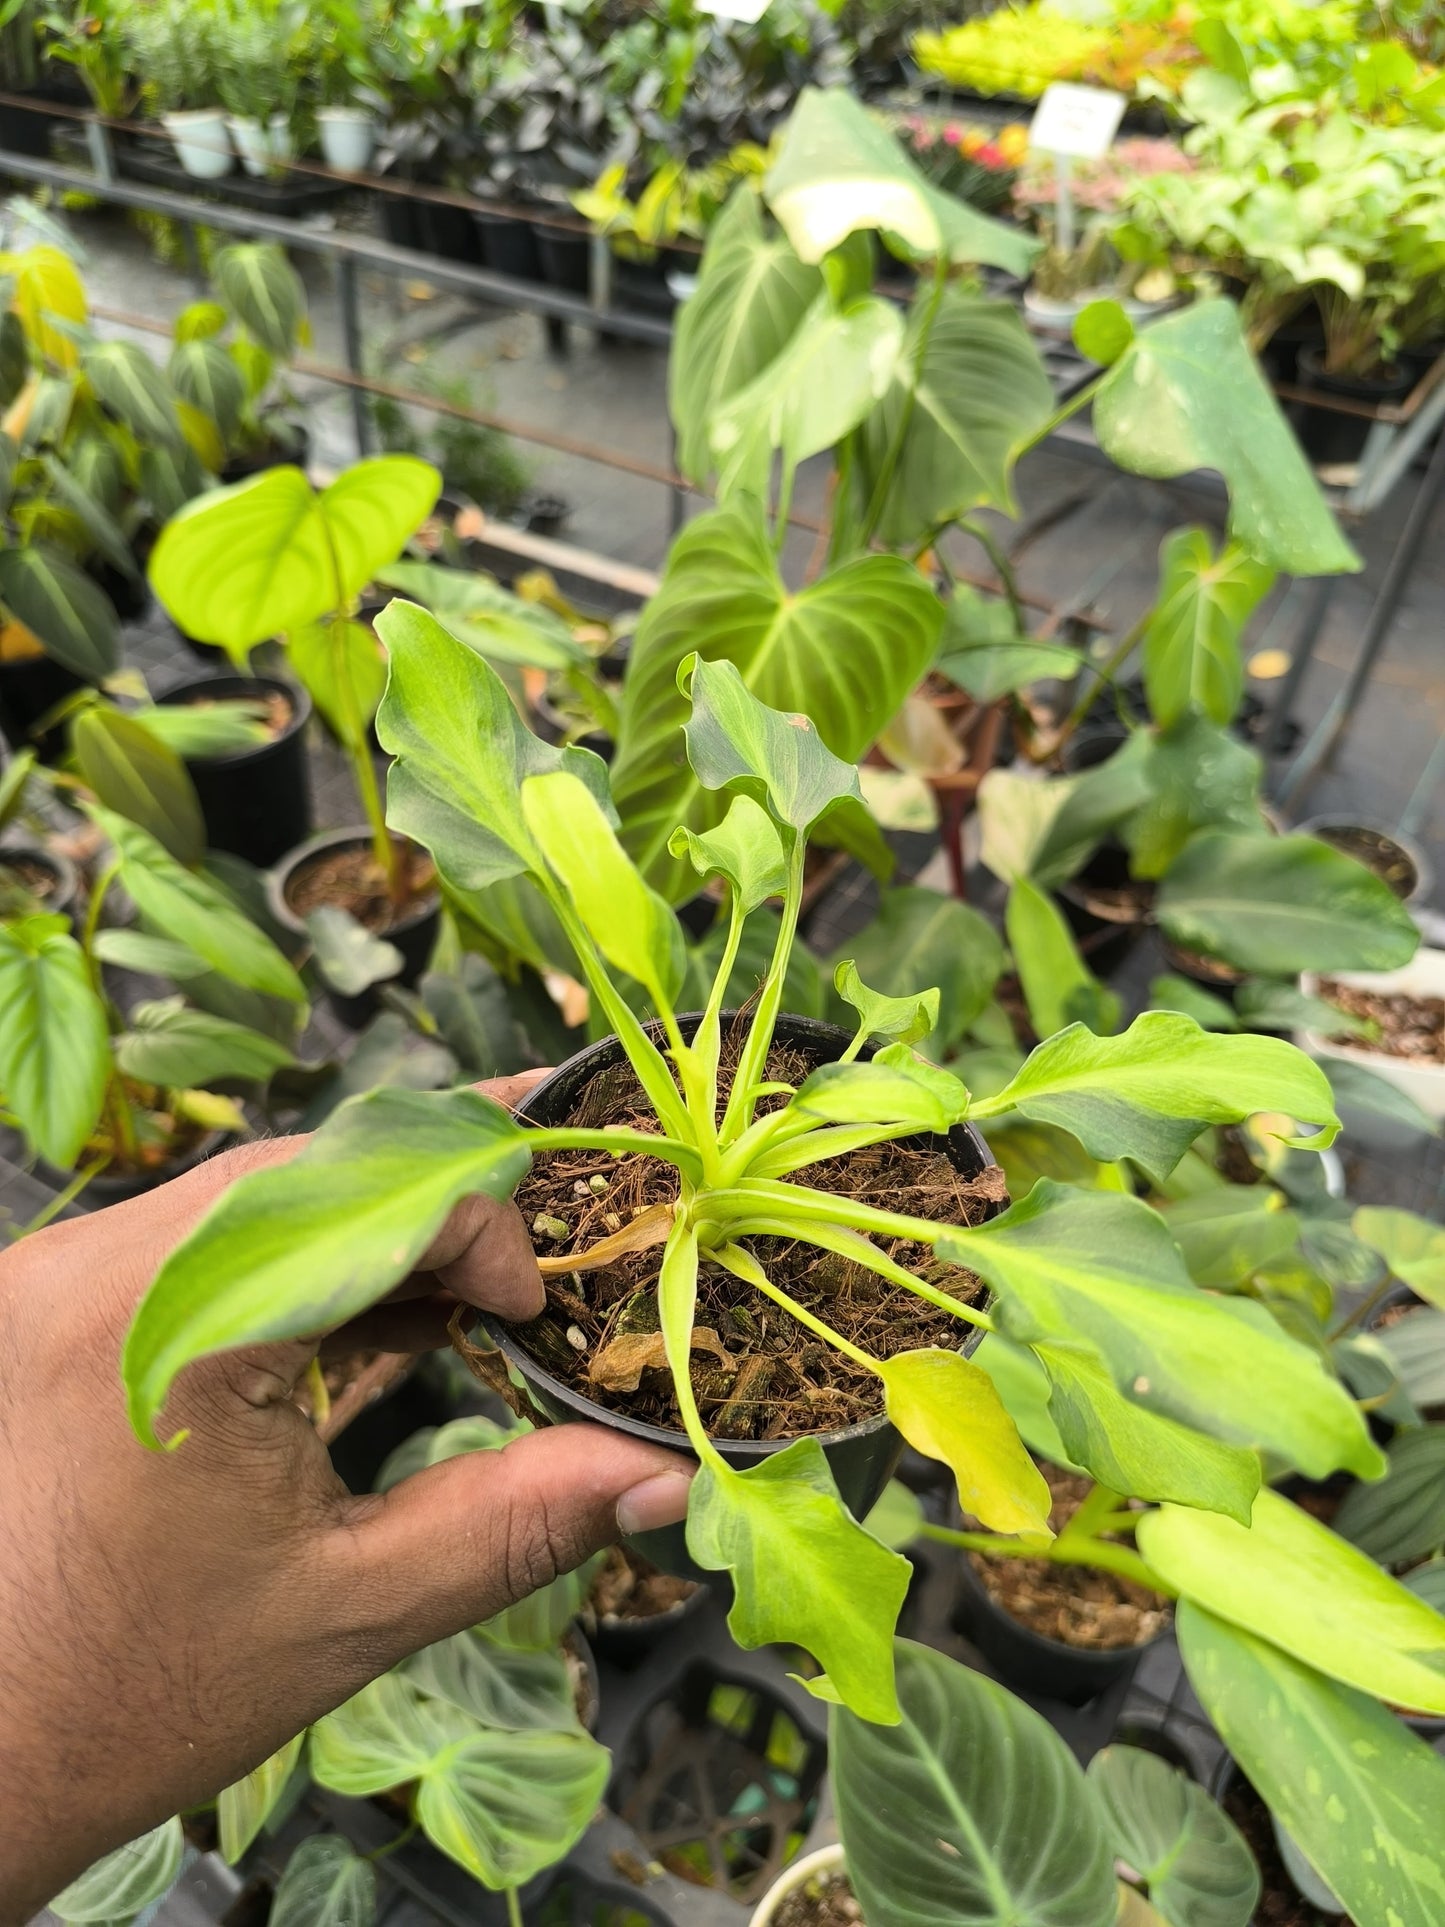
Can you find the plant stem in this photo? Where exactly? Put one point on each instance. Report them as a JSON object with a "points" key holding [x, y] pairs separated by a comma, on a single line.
{"points": [[817, 1143], [514, 1908], [707, 1040], [1103, 677], [1062, 1551], [1060, 415], [616, 1138], [993, 549], [1362, 1311], [677, 1308], [392, 1846], [57, 1204], [742, 1264], [1094, 1507], [766, 1198], [92, 919], [861, 1252], [353, 730], [753, 1062]]}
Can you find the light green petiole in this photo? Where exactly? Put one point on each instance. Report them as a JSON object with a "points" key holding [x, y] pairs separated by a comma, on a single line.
{"points": [[739, 1113], [848, 1245], [677, 1307], [742, 1264]]}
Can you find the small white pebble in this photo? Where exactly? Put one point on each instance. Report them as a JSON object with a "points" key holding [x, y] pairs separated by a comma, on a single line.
{"points": [[576, 1338], [612, 1221], [580, 1189]]}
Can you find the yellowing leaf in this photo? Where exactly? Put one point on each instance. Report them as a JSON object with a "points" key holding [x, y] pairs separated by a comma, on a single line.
{"points": [[949, 1409], [47, 284]]}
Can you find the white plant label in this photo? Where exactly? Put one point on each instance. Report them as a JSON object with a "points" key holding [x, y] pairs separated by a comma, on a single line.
{"points": [[1079, 122]]}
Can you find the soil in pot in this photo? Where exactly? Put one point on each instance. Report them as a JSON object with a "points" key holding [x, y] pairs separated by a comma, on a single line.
{"points": [[760, 1378], [1106, 908], [631, 1592], [32, 882], [824, 1901], [1210, 972], [350, 878], [1389, 860], [1412, 1027], [1078, 1606], [1280, 1903]]}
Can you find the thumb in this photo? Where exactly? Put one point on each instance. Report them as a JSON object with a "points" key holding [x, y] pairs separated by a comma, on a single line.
{"points": [[457, 1543]]}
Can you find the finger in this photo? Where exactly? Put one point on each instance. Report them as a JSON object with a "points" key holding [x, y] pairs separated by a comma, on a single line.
{"points": [[415, 1324], [483, 1255], [509, 1091], [459, 1542]]}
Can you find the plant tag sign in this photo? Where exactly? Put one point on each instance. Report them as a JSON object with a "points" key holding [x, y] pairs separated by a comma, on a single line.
{"points": [[744, 10], [1079, 122]]}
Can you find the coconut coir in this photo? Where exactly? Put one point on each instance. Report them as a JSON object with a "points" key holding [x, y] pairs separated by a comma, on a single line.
{"points": [[1078, 1605], [765, 1377], [825, 1901]]}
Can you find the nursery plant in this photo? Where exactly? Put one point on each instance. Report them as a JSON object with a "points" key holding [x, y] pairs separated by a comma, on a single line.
{"points": [[229, 354], [126, 1091], [273, 556], [1096, 1271]]}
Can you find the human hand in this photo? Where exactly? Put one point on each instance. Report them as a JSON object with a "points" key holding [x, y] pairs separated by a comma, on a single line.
{"points": [[168, 1620]]}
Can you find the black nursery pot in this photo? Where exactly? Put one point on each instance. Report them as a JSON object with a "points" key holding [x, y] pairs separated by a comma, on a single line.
{"points": [[509, 245], [59, 901], [862, 1457], [566, 258], [256, 802], [1026, 1660], [1327, 437], [414, 936], [1105, 937], [29, 688]]}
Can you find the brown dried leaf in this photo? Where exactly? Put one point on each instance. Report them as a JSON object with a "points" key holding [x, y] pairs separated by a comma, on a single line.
{"points": [[649, 1227], [619, 1366]]}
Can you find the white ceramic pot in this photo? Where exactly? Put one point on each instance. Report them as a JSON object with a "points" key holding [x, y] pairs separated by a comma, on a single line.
{"points": [[825, 1860], [1423, 976], [261, 145], [203, 147], [348, 138]]}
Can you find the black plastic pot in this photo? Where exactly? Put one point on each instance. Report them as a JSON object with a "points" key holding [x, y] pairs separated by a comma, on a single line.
{"points": [[400, 220], [128, 594], [28, 689], [119, 1187], [642, 285], [862, 1457], [509, 246], [449, 232], [1026, 1660], [566, 258], [1210, 973], [1105, 933], [256, 802], [291, 450], [26, 130], [1329, 438], [415, 936], [61, 900]]}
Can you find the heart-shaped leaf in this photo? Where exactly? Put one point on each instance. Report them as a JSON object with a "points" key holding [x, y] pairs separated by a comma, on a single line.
{"points": [[752, 292], [302, 1246], [1357, 1790], [327, 1883], [840, 170], [970, 1811], [812, 394], [344, 672], [126, 1881], [203, 374], [1100, 1271], [1148, 1093], [1200, 777], [487, 617], [846, 649], [54, 1041], [134, 390], [264, 292], [1288, 1579], [501, 1686], [1282, 904], [948, 1409], [1191, 646], [1193, 1859], [1188, 394], [968, 392], [984, 651], [271, 554]]}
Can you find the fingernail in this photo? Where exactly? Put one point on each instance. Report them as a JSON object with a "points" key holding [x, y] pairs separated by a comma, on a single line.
{"points": [[658, 1501]]}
